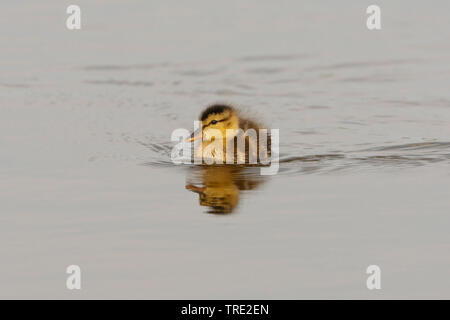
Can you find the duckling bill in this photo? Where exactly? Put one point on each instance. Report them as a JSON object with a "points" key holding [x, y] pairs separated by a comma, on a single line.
{"points": [[226, 136]]}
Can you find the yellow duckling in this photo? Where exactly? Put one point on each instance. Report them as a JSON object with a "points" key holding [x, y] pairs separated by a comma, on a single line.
{"points": [[229, 138]]}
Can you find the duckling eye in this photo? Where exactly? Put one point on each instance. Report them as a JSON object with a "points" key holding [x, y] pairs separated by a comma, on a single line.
{"points": [[214, 122]]}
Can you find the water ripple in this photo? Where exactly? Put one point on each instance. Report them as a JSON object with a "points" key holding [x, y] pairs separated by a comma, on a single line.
{"points": [[394, 156]]}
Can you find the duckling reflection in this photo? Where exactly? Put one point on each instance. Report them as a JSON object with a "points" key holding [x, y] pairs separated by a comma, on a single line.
{"points": [[219, 186]]}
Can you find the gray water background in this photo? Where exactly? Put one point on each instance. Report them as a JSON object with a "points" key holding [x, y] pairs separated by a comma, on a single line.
{"points": [[85, 124]]}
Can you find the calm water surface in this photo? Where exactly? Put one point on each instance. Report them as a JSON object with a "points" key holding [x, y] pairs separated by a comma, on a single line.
{"points": [[85, 125]]}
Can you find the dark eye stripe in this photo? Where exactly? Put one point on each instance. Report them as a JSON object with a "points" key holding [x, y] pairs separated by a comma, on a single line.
{"points": [[216, 121]]}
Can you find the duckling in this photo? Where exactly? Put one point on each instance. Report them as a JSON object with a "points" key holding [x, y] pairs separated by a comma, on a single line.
{"points": [[240, 141]]}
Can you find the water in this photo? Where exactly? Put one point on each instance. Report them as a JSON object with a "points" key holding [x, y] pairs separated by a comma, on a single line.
{"points": [[85, 125]]}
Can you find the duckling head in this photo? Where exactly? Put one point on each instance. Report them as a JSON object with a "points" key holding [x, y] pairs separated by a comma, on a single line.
{"points": [[221, 117]]}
